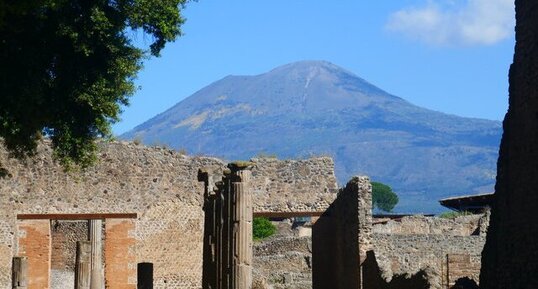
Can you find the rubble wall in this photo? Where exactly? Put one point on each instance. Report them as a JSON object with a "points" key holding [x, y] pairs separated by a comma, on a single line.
{"points": [[410, 254], [341, 237], [161, 187], [509, 258]]}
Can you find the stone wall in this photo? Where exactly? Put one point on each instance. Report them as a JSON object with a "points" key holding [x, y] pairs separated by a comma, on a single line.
{"points": [[342, 236], [157, 184], [421, 225], [348, 251], [65, 235], [439, 250], [283, 262], [293, 185], [442, 250], [411, 252], [510, 255], [406, 255]]}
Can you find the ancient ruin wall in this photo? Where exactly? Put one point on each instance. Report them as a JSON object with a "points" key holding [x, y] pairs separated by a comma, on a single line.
{"points": [[411, 254], [421, 225], [341, 237], [509, 257], [159, 185], [443, 249], [64, 235], [293, 185], [283, 262]]}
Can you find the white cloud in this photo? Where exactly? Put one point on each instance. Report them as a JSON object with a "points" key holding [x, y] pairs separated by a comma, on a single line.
{"points": [[443, 22]]}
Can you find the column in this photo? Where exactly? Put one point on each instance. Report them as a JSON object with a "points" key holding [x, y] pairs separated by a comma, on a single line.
{"points": [[96, 259], [242, 230], [19, 273], [209, 271], [83, 265]]}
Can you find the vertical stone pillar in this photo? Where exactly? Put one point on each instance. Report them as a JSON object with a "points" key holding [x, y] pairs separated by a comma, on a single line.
{"points": [[242, 228], [209, 271], [228, 229], [19, 276], [364, 207], [83, 265], [96, 259], [341, 238]]}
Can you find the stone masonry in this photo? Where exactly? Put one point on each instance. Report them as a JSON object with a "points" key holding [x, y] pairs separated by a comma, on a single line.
{"points": [[293, 186], [349, 250], [228, 229], [158, 185], [159, 188], [510, 255], [65, 235], [342, 236]]}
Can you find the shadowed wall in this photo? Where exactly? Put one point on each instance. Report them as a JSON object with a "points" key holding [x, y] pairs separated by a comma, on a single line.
{"points": [[510, 257]]}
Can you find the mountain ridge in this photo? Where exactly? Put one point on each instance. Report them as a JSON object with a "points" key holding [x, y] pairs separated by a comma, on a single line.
{"points": [[315, 107]]}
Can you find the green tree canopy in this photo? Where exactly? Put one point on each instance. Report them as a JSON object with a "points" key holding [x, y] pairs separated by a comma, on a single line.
{"points": [[383, 197], [67, 66]]}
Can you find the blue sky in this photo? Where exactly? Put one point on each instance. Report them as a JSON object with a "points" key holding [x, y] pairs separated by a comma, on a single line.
{"points": [[447, 55]]}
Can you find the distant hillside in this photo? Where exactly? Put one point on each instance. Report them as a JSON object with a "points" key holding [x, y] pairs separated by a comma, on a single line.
{"points": [[317, 108]]}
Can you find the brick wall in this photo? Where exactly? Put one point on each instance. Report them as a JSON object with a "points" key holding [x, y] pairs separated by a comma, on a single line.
{"points": [[119, 253], [459, 266], [35, 243]]}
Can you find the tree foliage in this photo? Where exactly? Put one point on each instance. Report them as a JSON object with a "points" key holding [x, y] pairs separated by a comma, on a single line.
{"points": [[67, 66], [262, 228], [383, 197]]}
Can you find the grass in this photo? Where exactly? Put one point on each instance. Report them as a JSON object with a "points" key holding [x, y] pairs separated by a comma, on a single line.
{"points": [[453, 214]]}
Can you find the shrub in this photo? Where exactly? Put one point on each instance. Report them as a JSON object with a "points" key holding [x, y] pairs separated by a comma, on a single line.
{"points": [[262, 228], [453, 214]]}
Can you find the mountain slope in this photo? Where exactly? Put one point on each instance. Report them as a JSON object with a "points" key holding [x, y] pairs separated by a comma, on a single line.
{"points": [[314, 107]]}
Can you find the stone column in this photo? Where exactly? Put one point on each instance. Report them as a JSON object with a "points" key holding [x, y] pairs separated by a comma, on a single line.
{"points": [[83, 265], [19, 276], [228, 229], [209, 272], [226, 245], [219, 241], [96, 261], [242, 229]]}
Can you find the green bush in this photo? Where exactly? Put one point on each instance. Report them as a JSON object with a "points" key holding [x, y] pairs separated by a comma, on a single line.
{"points": [[262, 228], [453, 214]]}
